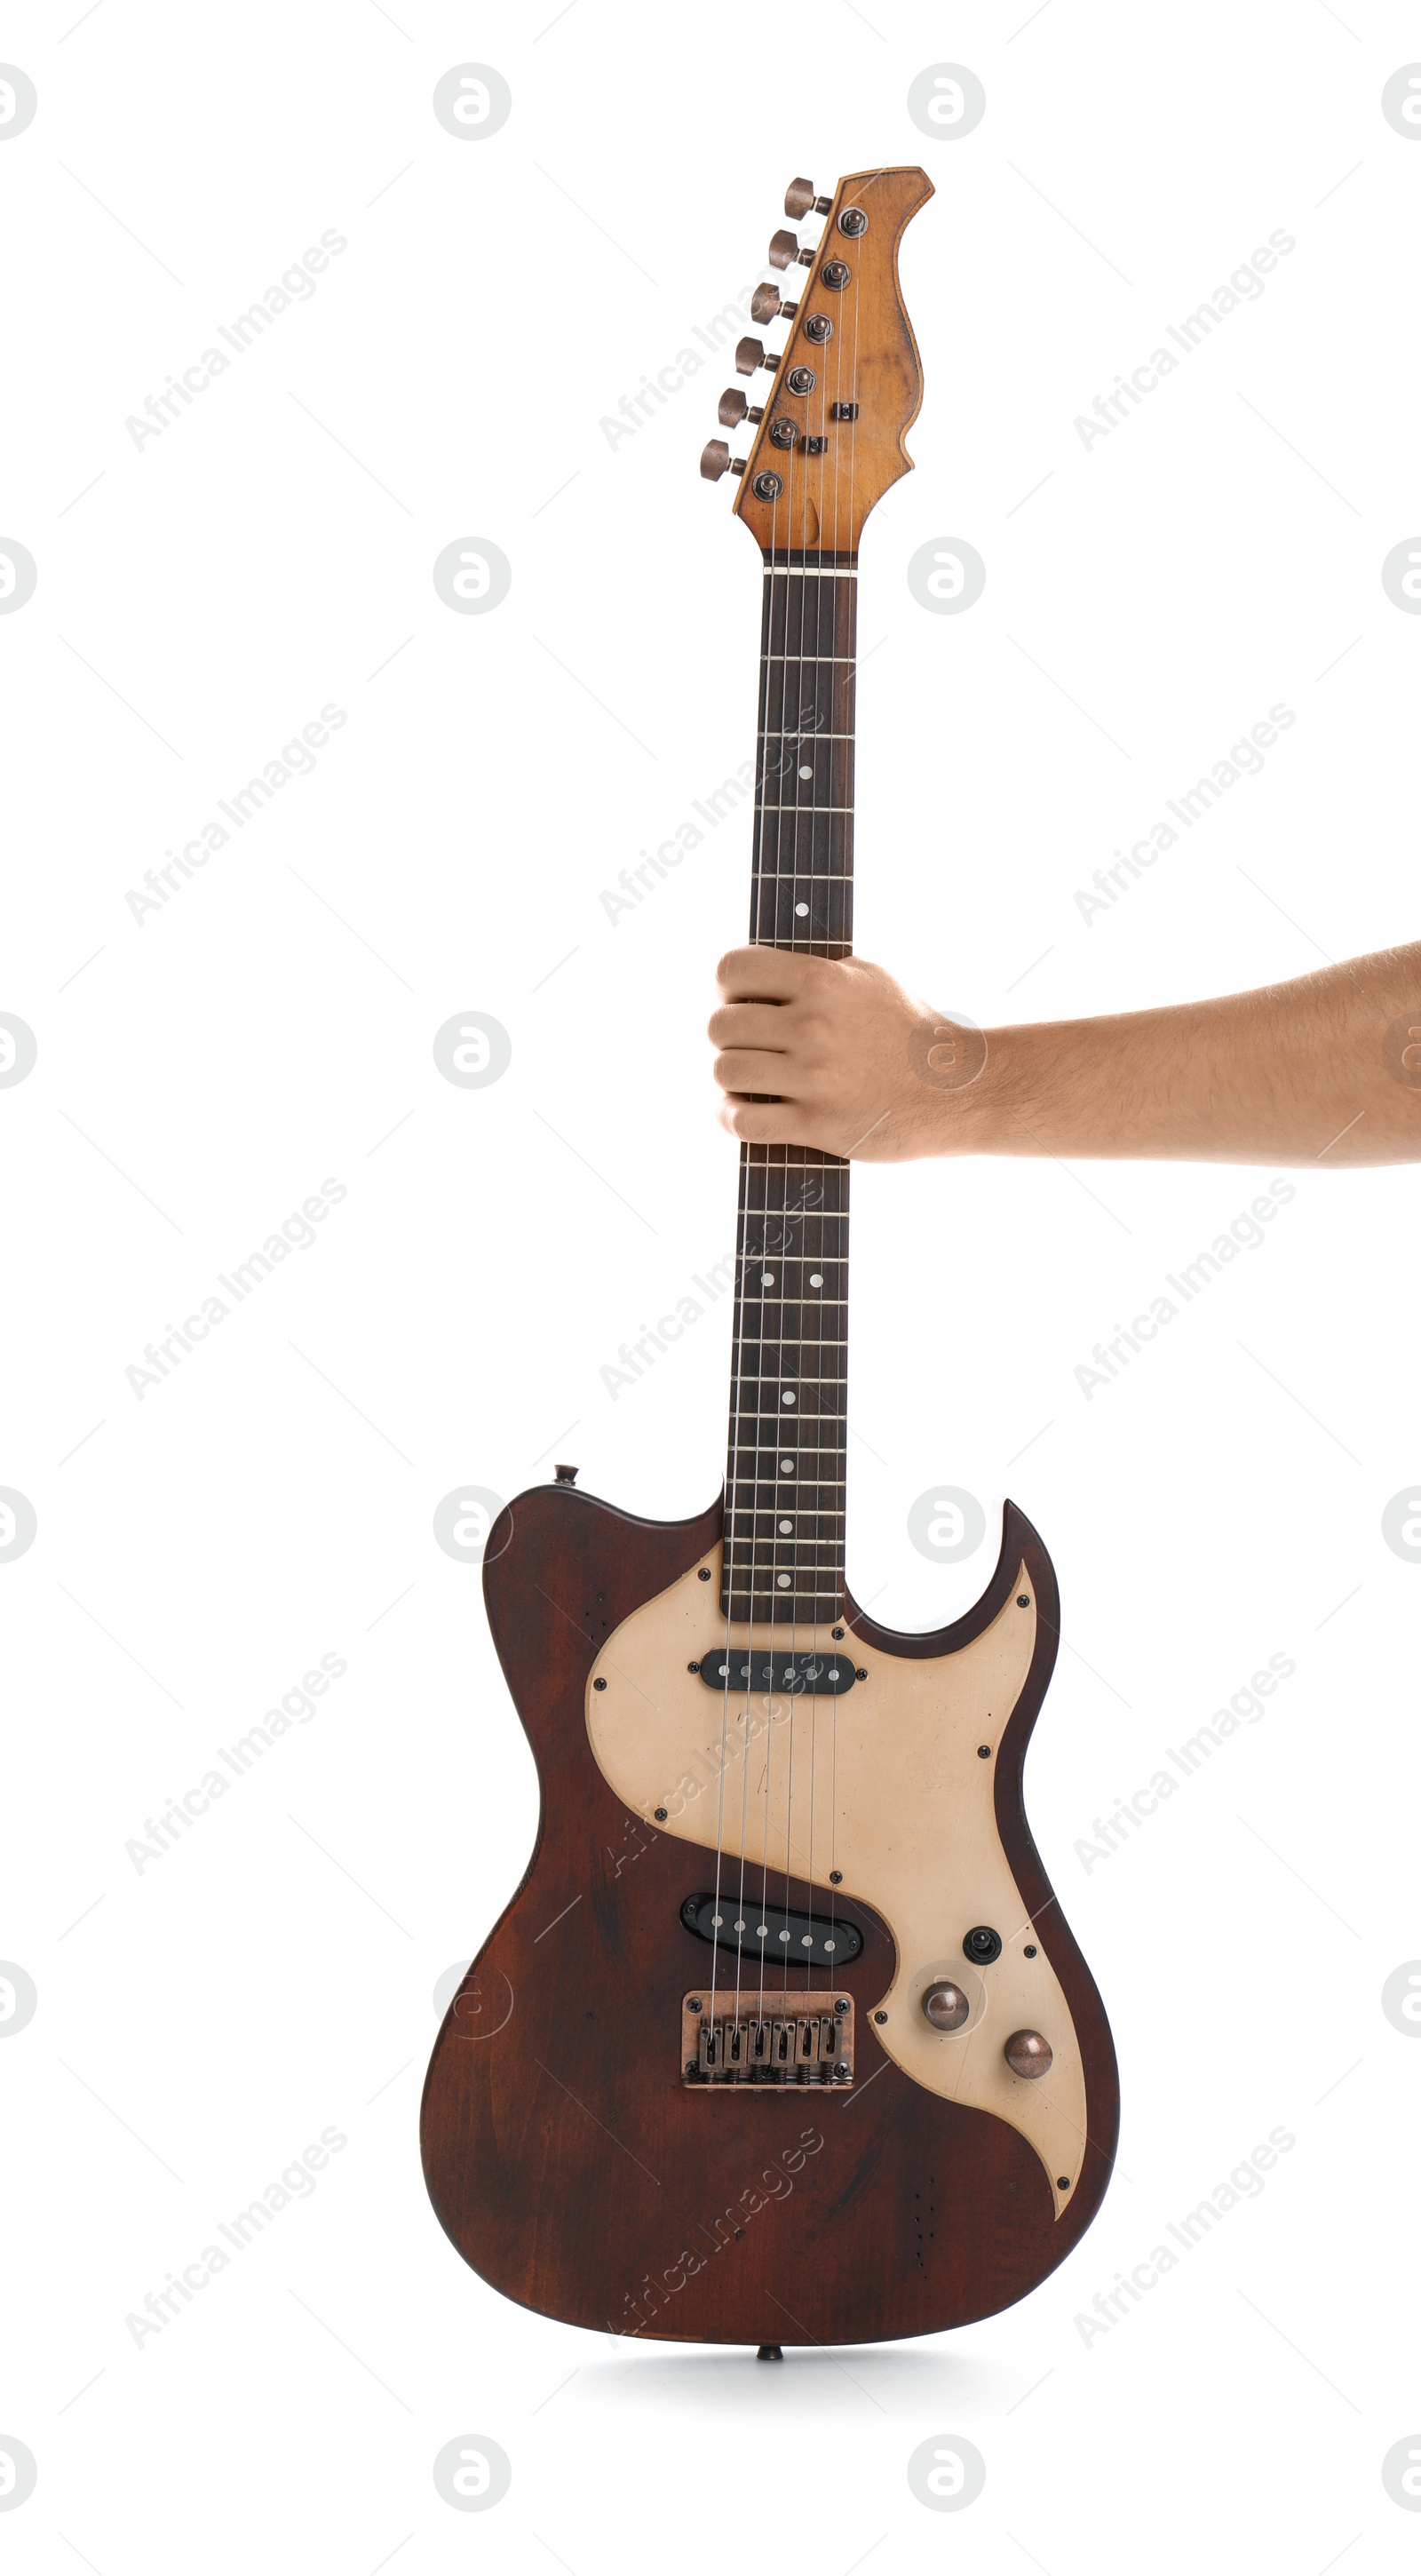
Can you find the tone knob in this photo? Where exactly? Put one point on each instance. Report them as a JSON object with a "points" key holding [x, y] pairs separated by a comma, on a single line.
{"points": [[765, 305], [945, 2005], [1027, 2053], [750, 354], [784, 252], [733, 408], [716, 460]]}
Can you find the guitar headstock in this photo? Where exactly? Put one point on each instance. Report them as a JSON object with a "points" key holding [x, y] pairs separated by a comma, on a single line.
{"points": [[847, 385]]}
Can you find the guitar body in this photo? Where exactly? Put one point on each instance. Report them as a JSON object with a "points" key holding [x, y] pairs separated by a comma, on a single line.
{"points": [[571, 2152]]}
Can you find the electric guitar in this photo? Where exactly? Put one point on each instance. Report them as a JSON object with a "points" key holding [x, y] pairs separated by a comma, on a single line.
{"points": [[783, 2038]]}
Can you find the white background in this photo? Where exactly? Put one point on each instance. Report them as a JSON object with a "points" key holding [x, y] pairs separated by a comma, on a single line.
{"points": [[199, 599]]}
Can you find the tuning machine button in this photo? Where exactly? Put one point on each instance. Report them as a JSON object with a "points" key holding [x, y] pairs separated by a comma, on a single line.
{"points": [[716, 460], [766, 305], [784, 252], [733, 408], [1027, 2053], [750, 354], [800, 200]]}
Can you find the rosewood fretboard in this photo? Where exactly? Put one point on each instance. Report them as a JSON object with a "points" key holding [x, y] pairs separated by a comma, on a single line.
{"points": [[784, 1551]]}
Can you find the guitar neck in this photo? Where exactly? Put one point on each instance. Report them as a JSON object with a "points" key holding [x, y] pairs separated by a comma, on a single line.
{"points": [[785, 1476]]}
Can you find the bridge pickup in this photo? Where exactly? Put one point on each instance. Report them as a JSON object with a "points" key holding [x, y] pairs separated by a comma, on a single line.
{"points": [[821, 1674], [789, 2043], [767, 1931]]}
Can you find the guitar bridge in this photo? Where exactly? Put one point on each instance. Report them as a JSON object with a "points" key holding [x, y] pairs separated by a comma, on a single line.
{"points": [[769, 2044]]}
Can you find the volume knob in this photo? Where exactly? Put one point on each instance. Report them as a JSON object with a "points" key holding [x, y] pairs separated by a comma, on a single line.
{"points": [[784, 252], [945, 2005], [1027, 2053]]}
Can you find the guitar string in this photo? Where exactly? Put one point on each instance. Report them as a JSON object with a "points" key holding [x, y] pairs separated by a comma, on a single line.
{"points": [[831, 1222], [838, 885], [736, 1545], [782, 1167], [762, 1556], [834, 1281], [739, 1555]]}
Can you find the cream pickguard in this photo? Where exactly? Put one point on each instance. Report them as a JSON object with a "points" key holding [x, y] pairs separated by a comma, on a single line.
{"points": [[888, 1787]]}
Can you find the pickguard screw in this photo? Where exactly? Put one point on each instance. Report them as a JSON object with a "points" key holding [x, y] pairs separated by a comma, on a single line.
{"points": [[703, 1573], [984, 1752], [841, 2003], [1030, 1951], [693, 2003], [1063, 2182], [861, 1672], [599, 1684], [661, 1815], [836, 1632], [693, 1667], [836, 1878], [1023, 1601], [880, 2016]]}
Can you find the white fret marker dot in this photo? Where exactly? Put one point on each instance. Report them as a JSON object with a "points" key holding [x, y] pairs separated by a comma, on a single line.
{"points": [[802, 911], [783, 1581], [806, 773], [767, 1278], [785, 1528], [787, 1466], [786, 1399], [816, 1279]]}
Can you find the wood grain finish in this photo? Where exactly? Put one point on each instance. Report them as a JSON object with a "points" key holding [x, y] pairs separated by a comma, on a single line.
{"points": [[565, 2158]]}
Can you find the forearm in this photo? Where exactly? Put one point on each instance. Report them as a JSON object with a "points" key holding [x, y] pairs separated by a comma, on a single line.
{"points": [[1320, 1070], [835, 1054]]}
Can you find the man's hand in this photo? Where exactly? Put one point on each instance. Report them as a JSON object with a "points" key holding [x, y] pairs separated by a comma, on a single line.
{"points": [[1324, 1071], [854, 1064]]}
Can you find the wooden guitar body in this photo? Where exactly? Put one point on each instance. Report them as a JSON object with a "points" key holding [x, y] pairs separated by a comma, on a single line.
{"points": [[569, 2152]]}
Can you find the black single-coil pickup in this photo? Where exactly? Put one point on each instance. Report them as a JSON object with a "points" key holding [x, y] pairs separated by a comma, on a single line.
{"points": [[820, 1674], [768, 1932]]}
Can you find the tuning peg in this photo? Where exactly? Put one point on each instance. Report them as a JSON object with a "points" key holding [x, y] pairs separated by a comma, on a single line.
{"points": [[750, 354], [716, 460], [785, 252], [800, 200], [733, 408], [765, 305]]}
